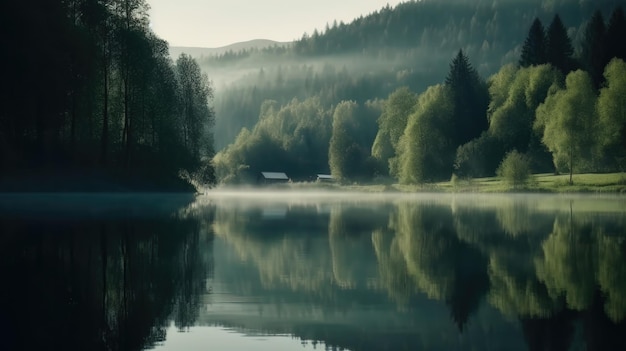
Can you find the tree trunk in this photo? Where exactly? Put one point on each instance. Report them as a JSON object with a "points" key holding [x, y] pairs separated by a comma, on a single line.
{"points": [[105, 119], [73, 126], [105, 108]]}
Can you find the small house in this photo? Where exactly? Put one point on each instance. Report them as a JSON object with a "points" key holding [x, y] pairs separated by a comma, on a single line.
{"points": [[325, 178], [272, 178]]}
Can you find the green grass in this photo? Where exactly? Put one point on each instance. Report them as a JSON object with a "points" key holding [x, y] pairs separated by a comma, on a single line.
{"points": [[582, 183], [538, 183]]}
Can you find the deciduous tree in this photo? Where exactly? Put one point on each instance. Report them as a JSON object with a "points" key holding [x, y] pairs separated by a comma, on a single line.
{"points": [[391, 124], [568, 120], [612, 111], [344, 154], [425, 149]]}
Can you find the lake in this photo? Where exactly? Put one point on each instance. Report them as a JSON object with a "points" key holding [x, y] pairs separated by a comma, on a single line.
{"points": [[302, 271]]}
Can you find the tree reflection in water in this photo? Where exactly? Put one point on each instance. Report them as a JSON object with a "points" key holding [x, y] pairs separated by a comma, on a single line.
{"points": [[404, 274], [560, 274], [112, 283]]}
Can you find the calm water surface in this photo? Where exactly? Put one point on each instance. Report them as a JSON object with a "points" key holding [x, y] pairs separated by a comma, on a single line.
{"points": [[304, 271]]}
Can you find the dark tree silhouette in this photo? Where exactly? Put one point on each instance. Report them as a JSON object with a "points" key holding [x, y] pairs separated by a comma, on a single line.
{"points": [[559, 48], [593, 57], [92, 92], [615, 43], [471, 99], [534, 49]]}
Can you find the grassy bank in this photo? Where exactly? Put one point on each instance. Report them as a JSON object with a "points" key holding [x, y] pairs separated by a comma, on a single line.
{"points": [[538, 183]]}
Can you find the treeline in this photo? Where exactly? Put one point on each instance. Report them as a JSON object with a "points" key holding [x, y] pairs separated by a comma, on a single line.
{"points": [[482, 28], [407, 45], [548, 107], [89, 87], [238, 105]]}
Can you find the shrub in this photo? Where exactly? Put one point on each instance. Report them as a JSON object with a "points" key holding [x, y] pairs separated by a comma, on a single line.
{"points": [[515, 169], [454, 181]]}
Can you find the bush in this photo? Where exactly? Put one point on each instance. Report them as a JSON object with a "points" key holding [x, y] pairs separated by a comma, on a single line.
{"points": [[515, 169], [454, 181]]}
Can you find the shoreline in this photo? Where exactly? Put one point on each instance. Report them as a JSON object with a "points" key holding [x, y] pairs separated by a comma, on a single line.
{"points": [[93, 181], [586, 183]]}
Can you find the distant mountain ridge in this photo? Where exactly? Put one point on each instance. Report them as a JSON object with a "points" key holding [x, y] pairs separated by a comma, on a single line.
{"points": [[175, 51]]}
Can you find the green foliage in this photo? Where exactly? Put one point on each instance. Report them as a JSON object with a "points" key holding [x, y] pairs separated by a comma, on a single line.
{"points": [[286, 139], [611, 273], [612, 112], [515, 169], [97, 91], [511, 121], [197, 117], [515, 94], [370, 57], [511, 114], [568, 266], [425, 152], [479, 157], [568, 120], [392, 123], [345, 156]]}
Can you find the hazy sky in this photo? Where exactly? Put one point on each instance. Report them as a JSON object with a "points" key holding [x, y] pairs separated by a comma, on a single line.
{"points": [[214, 23]]}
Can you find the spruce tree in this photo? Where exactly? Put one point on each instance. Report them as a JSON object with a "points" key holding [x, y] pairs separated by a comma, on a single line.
{"points": [[559, 48], [534, 49], [615, 43], [593, 57], [471, 99]]}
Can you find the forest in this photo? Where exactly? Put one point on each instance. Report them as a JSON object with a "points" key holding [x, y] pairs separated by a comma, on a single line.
{"points": [[420, 92], [427, 90], [92, 101]]}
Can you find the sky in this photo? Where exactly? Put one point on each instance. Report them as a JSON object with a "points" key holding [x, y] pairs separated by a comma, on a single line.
{"points": [[216, 23]]}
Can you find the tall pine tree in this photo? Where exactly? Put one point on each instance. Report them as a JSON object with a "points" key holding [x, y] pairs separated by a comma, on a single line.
{"points": [[615, 43], [559, 49], [593, 57], [534, 49], [471, 99]]}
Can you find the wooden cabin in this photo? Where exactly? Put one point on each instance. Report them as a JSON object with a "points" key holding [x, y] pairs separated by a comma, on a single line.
{"points": [[272, 178], [325, 178]]}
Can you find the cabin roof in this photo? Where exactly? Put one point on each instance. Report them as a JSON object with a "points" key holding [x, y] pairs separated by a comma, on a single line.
{"points": [[324, 176], [275, 175]]}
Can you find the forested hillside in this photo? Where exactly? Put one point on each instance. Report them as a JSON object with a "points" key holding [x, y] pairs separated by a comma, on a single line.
{"points": [[91, 101], [407, 45], [426, 90]]}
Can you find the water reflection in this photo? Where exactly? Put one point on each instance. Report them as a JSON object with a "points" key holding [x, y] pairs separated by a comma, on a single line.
{"points": [[98, 281], [359, 273], [538, 271]]}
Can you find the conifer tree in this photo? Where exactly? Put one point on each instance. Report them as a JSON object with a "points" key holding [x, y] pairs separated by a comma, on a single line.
{"points": [[615, 43], [593, 56], [559, 48], [534, 49], [471, 99]]}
